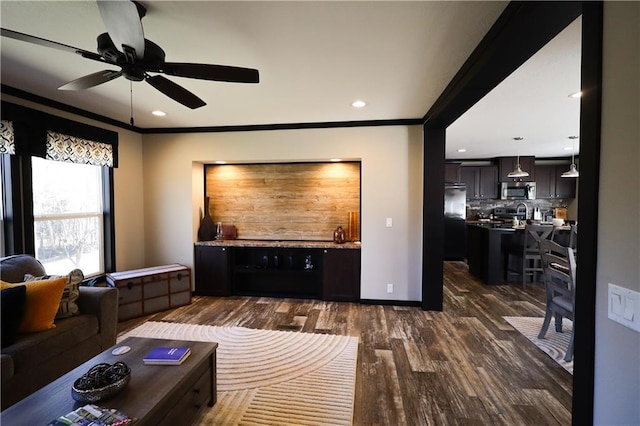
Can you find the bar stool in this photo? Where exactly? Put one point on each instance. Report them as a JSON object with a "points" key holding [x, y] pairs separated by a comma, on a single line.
{"points": [[529, 253]]}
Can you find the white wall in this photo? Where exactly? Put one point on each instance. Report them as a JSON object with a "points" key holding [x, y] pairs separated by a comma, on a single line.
{"points": [[391, 187], [617, 358]]}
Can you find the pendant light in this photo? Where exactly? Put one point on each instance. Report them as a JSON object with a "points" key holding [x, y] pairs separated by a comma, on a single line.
{"points": [[518, 172], [573, 171]]}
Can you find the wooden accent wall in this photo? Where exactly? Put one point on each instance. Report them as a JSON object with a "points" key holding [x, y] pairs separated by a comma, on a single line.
{"points": [[289, 201]]}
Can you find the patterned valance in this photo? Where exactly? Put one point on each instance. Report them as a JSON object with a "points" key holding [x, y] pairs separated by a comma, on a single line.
{"points": [[7, 137], [72, 149]]}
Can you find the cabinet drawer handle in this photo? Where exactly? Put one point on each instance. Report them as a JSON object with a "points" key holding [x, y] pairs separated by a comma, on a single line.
{"points": [[224, 249], [129, 285], [179, 276]]}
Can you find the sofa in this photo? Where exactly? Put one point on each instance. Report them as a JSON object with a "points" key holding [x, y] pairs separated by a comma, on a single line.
{"points": [[30, 360]]}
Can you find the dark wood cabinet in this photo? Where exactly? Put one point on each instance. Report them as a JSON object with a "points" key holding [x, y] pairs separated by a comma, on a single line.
{"points": [[341, 275], [551, 184], [212, 271], [452, 172], [308, 271], [508, 164], [481, 181]]}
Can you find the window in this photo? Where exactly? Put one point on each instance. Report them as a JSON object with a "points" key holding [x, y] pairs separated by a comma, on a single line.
{"points": [[68, 216]]}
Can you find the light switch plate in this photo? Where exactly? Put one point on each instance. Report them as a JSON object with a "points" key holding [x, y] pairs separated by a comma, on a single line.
{"points": [[389, 222], [624, 306]]}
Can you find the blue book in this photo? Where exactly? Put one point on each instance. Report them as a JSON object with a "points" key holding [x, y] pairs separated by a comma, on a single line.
{"points": [[167, 355]]}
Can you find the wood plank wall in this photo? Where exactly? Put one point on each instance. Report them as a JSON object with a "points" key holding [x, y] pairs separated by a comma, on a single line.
{"points": [[284, 201]]}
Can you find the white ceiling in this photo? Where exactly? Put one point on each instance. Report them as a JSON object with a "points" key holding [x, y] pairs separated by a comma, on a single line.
{"points": [[314, 58]]}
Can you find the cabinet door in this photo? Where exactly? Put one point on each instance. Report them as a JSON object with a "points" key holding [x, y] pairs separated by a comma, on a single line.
{"points": [[565, 187], [452, 172], [545, 181], [508, 164], [212, 271], [488, 182], [470, 177], [341, 275]]}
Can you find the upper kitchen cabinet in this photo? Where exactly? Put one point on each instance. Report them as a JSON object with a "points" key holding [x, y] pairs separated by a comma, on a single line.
{"points": [[452, 172], [481, 181], [550, 184], [508, 164]]}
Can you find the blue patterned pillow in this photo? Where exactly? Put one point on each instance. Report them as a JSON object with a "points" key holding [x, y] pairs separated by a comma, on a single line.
{"points": [[68, 306]]}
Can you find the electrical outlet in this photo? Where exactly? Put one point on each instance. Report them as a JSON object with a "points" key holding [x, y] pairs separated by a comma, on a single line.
{"points": [[389, 288]]}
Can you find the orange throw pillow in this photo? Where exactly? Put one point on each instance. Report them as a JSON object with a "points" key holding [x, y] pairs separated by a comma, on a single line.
{"points": [[43, 299]]}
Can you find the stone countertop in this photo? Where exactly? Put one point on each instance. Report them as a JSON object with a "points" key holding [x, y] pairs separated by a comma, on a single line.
{"points": [[493, 226], [281, 244]]}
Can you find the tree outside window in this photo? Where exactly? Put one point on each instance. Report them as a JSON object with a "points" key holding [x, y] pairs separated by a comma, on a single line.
{"points": [[68, 216]]}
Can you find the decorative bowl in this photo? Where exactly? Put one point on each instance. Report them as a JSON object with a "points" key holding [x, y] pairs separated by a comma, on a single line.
{"points": [[558, 222], [100, 382]]}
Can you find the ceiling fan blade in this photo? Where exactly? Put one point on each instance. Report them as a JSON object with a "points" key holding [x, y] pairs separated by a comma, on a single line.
{"points": [[91, 80], [122, 20], [52, 44], [211, 72], [175, 92]]}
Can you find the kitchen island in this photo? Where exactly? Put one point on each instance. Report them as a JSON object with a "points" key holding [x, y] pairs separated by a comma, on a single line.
{"points": [[488, 246], [303, 269]]}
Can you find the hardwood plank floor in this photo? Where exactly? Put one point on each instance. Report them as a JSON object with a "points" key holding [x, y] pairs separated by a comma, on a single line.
{"points": [[462, 366]]}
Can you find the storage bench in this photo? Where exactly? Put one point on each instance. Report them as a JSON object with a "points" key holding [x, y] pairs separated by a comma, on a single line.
{"points": [[149, 290]]}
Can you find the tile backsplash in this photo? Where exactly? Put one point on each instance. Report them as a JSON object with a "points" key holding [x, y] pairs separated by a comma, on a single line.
{"points": [[483, 208]]}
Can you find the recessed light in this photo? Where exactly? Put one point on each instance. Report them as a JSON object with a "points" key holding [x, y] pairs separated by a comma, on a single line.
{"points": [[335, 160], [221, 162], [575, 95], [159, 113], [358, 104], [462, 150]]}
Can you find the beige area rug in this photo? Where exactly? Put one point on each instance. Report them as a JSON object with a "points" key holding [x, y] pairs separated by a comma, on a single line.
{"points": [[273, 377], [554, 344]]}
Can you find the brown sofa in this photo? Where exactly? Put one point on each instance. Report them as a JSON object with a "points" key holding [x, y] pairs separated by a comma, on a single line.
{"points": [[36, 359]]}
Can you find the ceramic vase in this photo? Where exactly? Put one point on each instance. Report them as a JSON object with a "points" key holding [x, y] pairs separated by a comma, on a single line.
{"points": [[207, 230]]}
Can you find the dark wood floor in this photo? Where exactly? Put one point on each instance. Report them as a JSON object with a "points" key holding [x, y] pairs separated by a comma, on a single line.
{"points": [[464, 365]]}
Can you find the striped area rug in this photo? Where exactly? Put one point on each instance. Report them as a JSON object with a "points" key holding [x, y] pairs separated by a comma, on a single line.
{"points": [[273, 377], [554, 344]]}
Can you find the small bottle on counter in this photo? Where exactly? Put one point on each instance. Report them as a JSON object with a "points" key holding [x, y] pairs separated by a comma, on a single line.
{"points": [[339, 235], [536, 214]]}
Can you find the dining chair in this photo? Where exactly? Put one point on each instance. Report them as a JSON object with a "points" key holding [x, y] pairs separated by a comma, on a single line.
{"points": [[559, 269]]}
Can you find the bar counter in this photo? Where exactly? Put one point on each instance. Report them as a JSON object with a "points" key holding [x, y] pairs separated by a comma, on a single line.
{"points": [[281, 244]]}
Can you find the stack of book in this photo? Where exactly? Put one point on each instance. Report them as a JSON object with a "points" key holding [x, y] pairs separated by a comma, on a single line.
{"points": [[167, 355], [92, 415]]}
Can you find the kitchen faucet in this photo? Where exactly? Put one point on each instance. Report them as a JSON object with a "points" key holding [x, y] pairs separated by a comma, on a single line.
{"points": [[526, 210]]}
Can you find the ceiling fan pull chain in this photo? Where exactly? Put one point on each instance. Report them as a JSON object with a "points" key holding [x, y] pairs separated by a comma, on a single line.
{"points": [[131, 103]]}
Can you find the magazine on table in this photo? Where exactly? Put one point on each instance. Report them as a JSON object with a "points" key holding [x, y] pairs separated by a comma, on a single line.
{"points": [[167, 355], [92, 415]]}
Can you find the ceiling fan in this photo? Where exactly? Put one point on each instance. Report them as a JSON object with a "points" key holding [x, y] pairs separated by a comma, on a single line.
{"points": [[124, 45]]}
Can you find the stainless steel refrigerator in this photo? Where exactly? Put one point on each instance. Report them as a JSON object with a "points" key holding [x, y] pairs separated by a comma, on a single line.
{"points": [[455, 226]]}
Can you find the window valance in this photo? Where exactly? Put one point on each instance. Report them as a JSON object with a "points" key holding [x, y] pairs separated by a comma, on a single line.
{"points": [[39, 134], [72, 149], [7, 139]]}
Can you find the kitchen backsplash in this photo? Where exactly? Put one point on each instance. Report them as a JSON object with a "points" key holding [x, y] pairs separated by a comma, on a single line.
{"points": [[483, 208]]}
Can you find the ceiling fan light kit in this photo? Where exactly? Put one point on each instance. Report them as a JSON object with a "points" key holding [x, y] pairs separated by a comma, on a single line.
{"points": [[124, 45]]}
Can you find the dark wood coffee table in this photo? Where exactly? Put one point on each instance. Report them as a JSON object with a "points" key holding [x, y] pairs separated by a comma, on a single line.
{"points": [[156, 394]]}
